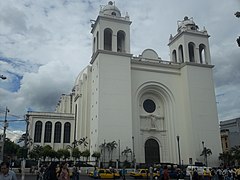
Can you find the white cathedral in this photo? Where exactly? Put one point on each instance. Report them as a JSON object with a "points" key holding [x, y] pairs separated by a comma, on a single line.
{"points": [[164, 111]]}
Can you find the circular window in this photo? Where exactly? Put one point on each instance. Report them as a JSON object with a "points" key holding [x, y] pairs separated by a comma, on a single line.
{"points": [[149, 105]]}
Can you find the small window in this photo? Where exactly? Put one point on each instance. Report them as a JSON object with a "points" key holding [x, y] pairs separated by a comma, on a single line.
{"points": [[114, 14], [149, 105]]}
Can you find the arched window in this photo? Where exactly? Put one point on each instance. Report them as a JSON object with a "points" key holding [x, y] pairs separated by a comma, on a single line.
{"points": [[108, 39], [191, 47], [121, 41], [97, 40], [67, 131], [94, 44], [174, 56], [38, 132], [202, 53], [57, 132], [180, 54], [48, 132]]}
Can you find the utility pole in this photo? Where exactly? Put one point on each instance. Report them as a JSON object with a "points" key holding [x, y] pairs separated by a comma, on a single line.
{"points": [[26, 139], [5, 125]]}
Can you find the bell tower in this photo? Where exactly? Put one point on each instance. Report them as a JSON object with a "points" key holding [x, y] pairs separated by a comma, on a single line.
{"points": [[111, 95], [189, 44], [111, 31]]}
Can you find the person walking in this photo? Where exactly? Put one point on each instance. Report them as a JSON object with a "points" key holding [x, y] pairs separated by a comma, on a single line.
{"points": [[6, 173], [64, 172], [50, 173]]}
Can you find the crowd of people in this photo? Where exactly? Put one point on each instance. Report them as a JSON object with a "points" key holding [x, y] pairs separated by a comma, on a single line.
{"points": [[55, 171], [220, 173]]}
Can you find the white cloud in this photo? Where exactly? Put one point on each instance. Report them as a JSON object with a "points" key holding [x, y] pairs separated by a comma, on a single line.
{"points": [[56, 34]]}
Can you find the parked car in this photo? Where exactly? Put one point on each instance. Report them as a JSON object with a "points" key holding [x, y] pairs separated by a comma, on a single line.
{"points": [[105, 174], [143, 173]]}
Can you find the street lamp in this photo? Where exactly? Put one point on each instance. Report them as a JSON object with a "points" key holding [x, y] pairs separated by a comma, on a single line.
{"points": [[133, 153], [204, 153], [3, 77], [179, 154], [4, 132]]}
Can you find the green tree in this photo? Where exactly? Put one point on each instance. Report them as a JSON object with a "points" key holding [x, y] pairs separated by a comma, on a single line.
{"points": [[36, 152], [66, 154], [235, 151], [226, 158], [60, 154], [96, 155], [76, 153], [86, 154], [52, 154], [10, 148], [46, 152]]}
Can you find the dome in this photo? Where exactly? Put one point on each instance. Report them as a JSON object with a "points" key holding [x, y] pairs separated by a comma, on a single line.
{"points": [[111, 10], [187, 24]]}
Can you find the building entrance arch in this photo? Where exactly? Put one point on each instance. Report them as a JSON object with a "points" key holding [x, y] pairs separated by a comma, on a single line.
{"points": [[152, 153]]}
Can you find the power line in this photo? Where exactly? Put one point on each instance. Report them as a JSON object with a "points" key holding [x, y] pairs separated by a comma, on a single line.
{"points": [[13, 120]]}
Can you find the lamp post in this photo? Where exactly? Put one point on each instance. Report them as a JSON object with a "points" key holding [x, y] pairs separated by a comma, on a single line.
{"points": [[204, 153], [4, 132], [133, 153], [179, 154]]}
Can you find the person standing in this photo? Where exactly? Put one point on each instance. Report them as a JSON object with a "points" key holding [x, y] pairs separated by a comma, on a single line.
{"points": [[6, 173], [123, 173], [165, 173], [151, 172]]}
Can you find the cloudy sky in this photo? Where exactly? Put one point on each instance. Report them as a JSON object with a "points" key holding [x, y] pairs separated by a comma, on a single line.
{"points": [[45, 44]]}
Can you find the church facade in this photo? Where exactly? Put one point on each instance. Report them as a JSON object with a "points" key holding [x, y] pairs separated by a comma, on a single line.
{"points": [[164, 111]]}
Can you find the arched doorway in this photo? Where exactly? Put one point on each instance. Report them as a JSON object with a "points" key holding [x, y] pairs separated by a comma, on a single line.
{"points": [[152, 154]]}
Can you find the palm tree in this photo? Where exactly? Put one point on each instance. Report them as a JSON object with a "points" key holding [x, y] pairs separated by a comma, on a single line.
{"points": [[83, 141], [127, 151], [110, 147], [103, 147], [206, 152], [75, 143]]}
